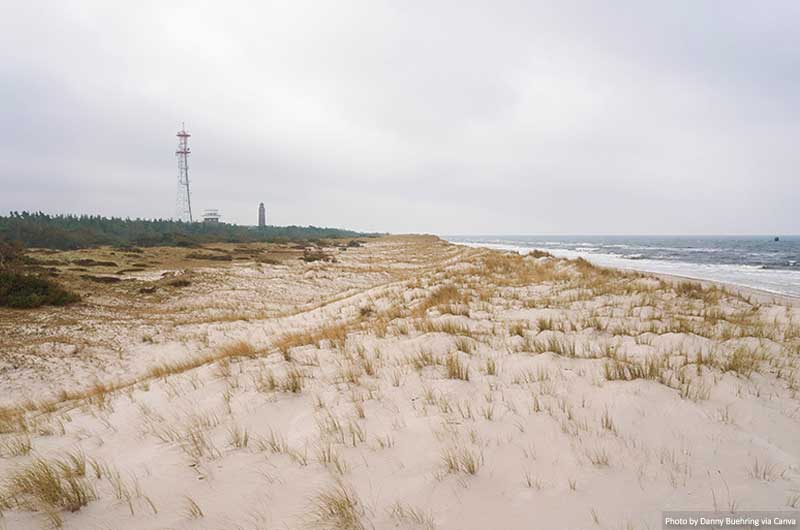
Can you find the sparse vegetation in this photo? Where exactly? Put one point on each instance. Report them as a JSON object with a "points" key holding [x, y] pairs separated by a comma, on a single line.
{"points": [[192, 510], [529, 362], [456, 369], [462, 459], [310, 256], [763, 471], [338, 508], [405, 514], [47, 486], [444, 295]]}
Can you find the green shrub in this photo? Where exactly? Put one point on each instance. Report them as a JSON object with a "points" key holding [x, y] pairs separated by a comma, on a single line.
{"points": [[22, 290], [40, 230], [10, 253]]}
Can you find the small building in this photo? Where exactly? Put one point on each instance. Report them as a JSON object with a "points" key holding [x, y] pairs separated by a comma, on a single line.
{"points": [[262, 215], [211, 216]]}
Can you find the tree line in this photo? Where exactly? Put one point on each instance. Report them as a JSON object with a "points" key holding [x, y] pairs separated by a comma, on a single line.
{"points": [[69, 232]]}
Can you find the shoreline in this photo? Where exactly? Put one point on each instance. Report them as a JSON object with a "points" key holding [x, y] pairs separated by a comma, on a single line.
{"points": [[763, 294]]}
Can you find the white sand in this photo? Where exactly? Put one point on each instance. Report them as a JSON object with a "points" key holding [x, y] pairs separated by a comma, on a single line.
{"points": [[553, 442]]}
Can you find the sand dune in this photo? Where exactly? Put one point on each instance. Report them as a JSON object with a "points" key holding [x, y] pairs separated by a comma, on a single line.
{"points": [[409, 384]]}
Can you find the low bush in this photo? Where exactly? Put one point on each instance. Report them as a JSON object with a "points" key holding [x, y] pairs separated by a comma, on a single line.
{"points": [[21, 290], [101, 279], [210, 257], [316, 255], [536, 253], [94, 263]]}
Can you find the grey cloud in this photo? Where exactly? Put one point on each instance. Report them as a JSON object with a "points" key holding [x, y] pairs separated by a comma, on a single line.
{"points": [[444, 117]]}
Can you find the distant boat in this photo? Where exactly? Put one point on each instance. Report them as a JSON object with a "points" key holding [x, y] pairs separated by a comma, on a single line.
{"points": [[777, 238]]}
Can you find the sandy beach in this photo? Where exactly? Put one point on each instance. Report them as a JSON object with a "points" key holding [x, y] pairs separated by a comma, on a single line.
{"points": [[397, 383]]}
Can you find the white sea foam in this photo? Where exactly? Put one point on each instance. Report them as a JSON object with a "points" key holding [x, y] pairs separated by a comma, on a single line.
{"points": [[773, 281]]}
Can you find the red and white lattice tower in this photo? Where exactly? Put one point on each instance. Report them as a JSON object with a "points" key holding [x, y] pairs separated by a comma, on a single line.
{"points": [[183, 203]]}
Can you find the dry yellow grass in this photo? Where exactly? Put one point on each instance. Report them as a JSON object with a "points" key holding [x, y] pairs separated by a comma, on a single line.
{"points": [[12, 419], [462, 459], [441, 296], [335, 334], [18, 445], [451, 327], [456, 369], [408, 515], [48, 486], [239, 348], [603, 325], [338, 508]]}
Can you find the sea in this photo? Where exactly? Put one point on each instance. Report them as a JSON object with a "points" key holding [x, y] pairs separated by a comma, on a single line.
{"points": [[758, 262]]}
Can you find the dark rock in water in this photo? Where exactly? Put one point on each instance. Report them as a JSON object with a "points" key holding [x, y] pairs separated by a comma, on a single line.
{"points": [[777, 238]]}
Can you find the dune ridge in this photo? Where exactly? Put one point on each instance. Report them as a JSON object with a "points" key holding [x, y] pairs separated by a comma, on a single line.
{"points": [[407, 383]]}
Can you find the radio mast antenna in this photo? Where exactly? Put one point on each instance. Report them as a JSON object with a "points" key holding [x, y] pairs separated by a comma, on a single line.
{"points": [[183, 205]]}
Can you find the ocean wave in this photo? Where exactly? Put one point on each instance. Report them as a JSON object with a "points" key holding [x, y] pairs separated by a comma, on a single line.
{"points": [[767, 277], [788, 267]]}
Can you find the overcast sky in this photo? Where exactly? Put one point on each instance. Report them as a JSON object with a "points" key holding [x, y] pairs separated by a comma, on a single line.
{"points": [[640, 117]]}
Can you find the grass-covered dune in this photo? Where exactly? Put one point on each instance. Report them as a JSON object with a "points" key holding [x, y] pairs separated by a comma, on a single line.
{"points": [[407, 384]]}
